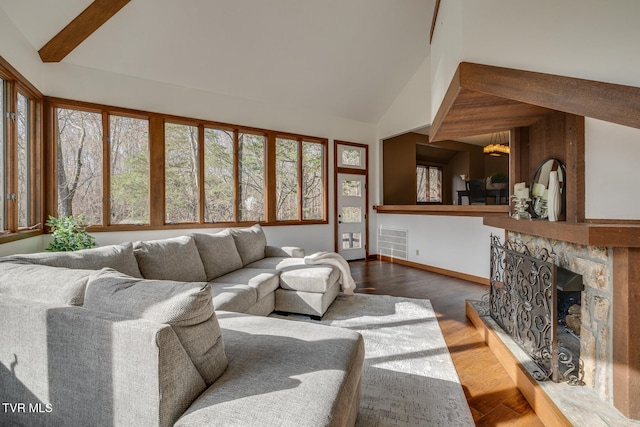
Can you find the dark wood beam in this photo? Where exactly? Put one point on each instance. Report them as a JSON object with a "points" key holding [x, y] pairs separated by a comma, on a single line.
{"points": [[484, 98], [77, 31]]}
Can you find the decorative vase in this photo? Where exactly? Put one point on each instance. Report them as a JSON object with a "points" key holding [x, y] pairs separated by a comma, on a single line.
{"points": [[553, 202]]}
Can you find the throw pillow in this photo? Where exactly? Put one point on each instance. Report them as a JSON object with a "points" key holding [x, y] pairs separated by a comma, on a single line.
{"points": [[43, 283], [118, 257], [250, 243], [187, 307], [170, 259], [218, 253]]}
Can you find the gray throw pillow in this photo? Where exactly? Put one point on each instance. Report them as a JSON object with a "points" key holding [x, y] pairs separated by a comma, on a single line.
{"points": [[118, 257], [170, 259], [250, 243], [43, 283], [218, 253], [187, 307]]}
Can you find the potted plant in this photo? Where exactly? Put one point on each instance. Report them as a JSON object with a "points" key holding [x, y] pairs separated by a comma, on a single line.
{"points": [[69, 234], [499, 180]]}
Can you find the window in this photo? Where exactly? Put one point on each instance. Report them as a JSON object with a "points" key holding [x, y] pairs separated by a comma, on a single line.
{"points": [[120, 167], [219, 184], [129, 170], [429, 184], [20, 152], [251, 165], [181, 173], [312, 180], [79, 163], [287, 179]]}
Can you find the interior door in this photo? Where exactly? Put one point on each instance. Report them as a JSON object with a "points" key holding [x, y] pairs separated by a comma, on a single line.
{"points": [[351, 216]]}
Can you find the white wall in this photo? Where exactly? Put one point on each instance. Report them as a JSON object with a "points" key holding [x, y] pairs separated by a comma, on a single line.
{"points": [[16, 50], [588, 39], [411, 109], [453, 243]]}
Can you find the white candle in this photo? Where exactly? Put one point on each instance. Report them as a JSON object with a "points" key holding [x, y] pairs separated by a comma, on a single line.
{"points": [[538, 189], [545, 195], [517, 187]]}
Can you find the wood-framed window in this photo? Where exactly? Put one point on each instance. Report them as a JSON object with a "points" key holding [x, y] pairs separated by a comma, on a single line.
{"points": [[20, 155], [428, 184], [150, 170]]}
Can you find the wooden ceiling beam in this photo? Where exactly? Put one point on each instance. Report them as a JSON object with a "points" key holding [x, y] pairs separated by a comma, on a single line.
{"points": [[484, 98], [77, 31]]}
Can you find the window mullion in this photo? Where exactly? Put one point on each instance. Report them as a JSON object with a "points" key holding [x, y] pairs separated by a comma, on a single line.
{"points": [[300, 184], [11, 163], [201, 194], [106, 169]]}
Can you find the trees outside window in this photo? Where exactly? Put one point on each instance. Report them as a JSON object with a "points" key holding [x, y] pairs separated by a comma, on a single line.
{"points": [[287, 179], [120, 167], [129, 170], [181, 173], [79, 163], [219, 178], [429, 184], [251, 164]]}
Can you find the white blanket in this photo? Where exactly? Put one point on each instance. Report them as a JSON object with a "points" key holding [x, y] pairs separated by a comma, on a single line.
{"points": [[345, 280]]}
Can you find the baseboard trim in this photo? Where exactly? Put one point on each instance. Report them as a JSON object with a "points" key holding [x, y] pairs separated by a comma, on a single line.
{"points": [[438, 270], [540, 402]]}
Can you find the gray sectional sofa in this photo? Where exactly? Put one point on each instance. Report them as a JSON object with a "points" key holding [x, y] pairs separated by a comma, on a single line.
{"points": [[174, 332]]}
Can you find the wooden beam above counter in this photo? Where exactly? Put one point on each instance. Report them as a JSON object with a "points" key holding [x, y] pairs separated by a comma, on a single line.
{"points": [[484, 99]]}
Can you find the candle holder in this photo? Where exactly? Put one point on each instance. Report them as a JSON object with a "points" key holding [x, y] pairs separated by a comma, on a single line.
{"points": [[521, 207], [540, 207]]}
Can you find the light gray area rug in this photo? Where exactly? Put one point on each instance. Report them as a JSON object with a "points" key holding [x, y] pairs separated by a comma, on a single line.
{"points": [[409, 378]]}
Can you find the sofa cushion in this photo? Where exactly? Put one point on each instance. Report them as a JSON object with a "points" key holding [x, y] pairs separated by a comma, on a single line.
{"points": [[176, 258], [276, 262], [187, 307], [282, 373], [233, 296], [43, 283], [308, 278], [250, 243], [218, 253], [264, 281], [118, 257]]}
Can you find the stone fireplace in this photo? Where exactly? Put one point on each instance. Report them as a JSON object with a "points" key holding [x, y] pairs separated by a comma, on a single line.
{"points": [[594, 264]]}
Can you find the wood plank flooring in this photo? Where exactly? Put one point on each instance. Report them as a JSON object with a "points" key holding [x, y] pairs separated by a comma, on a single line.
{"points": [[493, 398]]}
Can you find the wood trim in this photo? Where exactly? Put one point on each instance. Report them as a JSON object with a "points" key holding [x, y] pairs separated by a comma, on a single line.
{"points": [[588, 234], [156, 173], [106, 177], [625, 331], [78, 30], [434, 20], [438, 270], [448, 210], [575, 166], [543, 406]]}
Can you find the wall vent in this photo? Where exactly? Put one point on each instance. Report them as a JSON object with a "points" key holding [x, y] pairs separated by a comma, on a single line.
{"points": [[392, 242]]}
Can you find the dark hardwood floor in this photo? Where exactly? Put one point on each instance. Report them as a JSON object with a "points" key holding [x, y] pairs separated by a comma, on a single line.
{"points": [[493, 398]]}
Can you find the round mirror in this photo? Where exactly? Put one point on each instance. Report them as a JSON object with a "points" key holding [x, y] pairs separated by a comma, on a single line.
{"points": [[540, 187]]}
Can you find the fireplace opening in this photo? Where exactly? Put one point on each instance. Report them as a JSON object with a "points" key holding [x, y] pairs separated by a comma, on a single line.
{"points": [[569, 287]]}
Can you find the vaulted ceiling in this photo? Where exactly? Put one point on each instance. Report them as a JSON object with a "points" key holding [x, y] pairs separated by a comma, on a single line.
{"points": [[344, 58]]}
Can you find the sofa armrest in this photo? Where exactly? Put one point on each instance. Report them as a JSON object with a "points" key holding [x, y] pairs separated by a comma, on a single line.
{"points": [[283, 251], [82, 367]]}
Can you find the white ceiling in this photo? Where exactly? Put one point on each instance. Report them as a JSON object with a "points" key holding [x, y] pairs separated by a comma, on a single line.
{"points": [[345, 58]]}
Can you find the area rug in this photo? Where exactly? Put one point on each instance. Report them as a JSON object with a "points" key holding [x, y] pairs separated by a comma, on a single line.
{"points": [[408, 378]]}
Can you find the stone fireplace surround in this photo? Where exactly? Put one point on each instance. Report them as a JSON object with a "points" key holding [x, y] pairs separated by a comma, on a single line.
{"points": [[595, 266], [560, 403]]}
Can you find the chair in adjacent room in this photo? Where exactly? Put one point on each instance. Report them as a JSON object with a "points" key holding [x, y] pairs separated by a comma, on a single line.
{"points": [[476, 190]]}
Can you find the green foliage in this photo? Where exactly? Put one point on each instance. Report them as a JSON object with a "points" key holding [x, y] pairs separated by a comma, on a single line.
{"points": [[69, 234], [499, 177]]}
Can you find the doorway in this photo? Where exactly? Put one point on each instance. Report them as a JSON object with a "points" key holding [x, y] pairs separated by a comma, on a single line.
{"points": [[351, 200]]}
